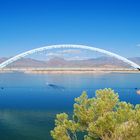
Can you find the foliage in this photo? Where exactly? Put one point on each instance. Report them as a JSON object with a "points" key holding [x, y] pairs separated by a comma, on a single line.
{"points": [[103, 117]]}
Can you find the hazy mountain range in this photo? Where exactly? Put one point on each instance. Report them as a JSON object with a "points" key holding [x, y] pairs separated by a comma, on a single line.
{"points": [[104, 62]]}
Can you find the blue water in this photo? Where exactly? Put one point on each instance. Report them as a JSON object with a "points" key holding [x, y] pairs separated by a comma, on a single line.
{"points": [[29, 102]]}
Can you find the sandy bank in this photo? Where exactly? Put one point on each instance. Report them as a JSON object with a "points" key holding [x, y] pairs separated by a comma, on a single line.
{"points": [[68, 70]]}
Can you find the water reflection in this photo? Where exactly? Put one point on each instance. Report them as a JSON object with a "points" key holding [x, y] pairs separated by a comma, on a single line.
{"points": [[25, 124]]}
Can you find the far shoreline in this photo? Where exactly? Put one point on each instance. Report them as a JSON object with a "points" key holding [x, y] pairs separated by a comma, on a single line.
{"points": [[68, 70]]}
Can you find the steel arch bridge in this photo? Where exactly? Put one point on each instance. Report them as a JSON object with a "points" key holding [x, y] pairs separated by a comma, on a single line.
{"points": [[67, 46]]}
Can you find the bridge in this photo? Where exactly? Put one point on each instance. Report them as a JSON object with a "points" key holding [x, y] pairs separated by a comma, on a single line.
{"points": [[67, 46]]}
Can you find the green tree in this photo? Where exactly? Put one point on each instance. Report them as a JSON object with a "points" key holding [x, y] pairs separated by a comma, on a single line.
{"points": [[103, 117]]}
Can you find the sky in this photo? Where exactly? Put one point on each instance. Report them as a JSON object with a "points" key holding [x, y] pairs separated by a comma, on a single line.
{"points": [[113, 25]]}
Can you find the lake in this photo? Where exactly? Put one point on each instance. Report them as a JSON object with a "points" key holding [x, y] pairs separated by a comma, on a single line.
{"points": [[29, 102]]}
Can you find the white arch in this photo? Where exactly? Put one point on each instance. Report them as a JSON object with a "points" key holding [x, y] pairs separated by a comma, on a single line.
{"points": [[17, 57]]}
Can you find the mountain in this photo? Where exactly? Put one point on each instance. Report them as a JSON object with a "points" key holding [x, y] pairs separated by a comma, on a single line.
{"points": [[104, 62], [135, 59], [2, 59]]}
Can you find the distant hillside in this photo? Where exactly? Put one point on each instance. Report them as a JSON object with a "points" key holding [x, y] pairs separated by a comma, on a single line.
{"points": [[3, 59], [135, 59], [104, 62]]}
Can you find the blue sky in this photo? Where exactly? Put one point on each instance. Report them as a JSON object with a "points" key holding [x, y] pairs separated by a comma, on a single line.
{"points": [[113, 25]]}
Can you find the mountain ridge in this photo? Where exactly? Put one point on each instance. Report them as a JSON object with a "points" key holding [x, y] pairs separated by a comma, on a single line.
{"points": [[61, 62]]}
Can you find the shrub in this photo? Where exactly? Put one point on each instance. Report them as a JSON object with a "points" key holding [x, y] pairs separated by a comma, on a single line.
{"points": [[103, 117]]}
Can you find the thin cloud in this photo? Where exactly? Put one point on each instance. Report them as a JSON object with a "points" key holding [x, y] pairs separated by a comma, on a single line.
{"points": [[61, 52], [53, 54], [71, 51], [78, 58], [138, 45]]}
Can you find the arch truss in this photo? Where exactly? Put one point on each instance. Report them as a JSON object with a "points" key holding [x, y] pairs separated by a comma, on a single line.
{"points": [[67, 46]]}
